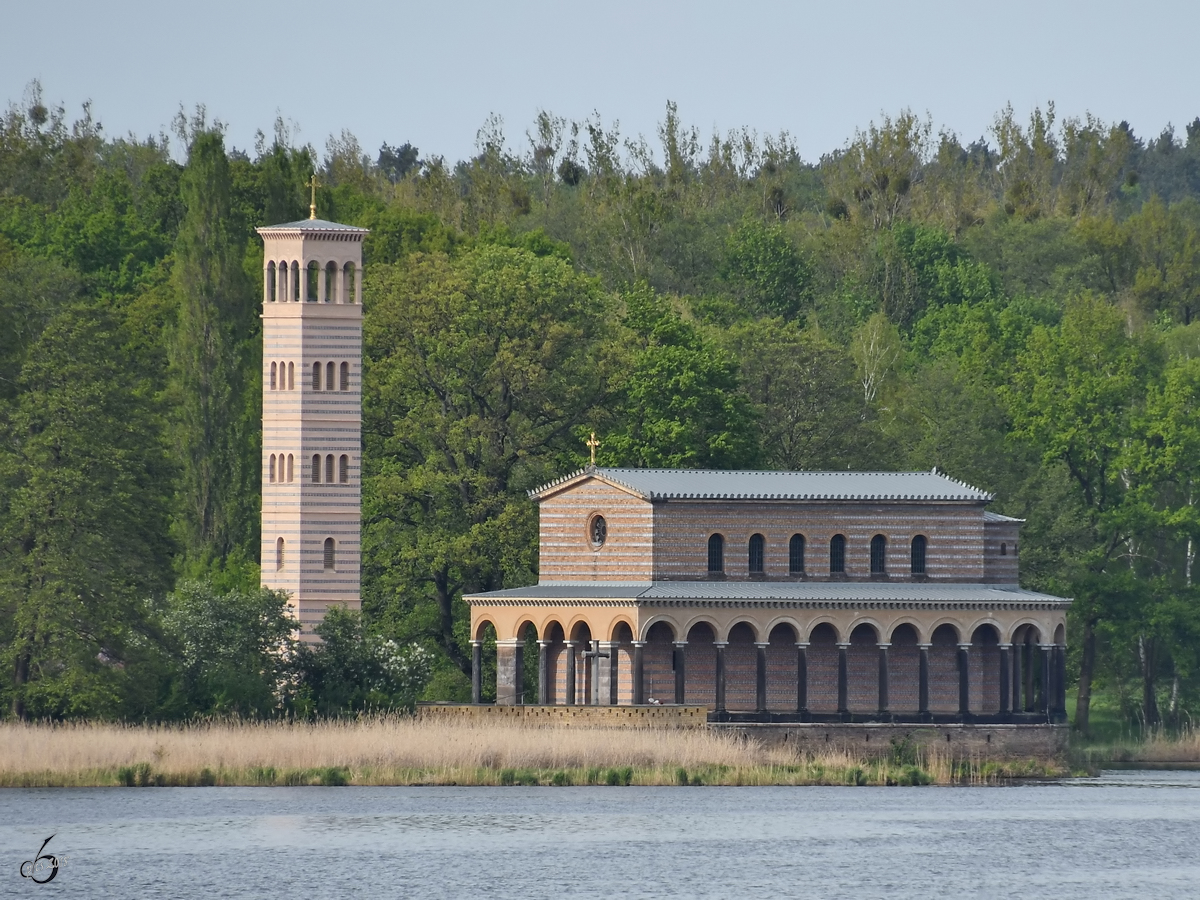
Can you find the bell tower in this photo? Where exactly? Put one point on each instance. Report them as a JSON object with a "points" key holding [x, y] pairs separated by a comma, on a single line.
{"points": [[312, 415]]}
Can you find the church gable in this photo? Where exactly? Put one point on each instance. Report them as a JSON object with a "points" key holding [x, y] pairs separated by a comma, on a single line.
{"points": [[591, 530]]}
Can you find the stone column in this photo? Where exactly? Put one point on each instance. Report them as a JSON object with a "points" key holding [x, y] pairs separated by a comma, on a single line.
{"points": [[681, 671], [964, 679], [281, 282], [606, 680], [843, 681], [321, 298], [519, 674], [1005, 678], [720, 645], [760, 680], [1031, 665], [267, 298], [543, 673], [802, 680], [1018, 677], [570, 692], [1060, 682], [883, 681], [1047, 691], [923, 684], [507, 685], [303, 273], [639, 684], [476, 671], [358, 285]]}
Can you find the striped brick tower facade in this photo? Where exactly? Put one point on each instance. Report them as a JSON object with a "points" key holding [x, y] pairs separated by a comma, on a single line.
{"points": [[312, 416]]}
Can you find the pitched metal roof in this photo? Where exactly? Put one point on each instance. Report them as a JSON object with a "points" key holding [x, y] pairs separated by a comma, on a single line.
{"points": [[989, 516], [699, 484], [649, 593], [314, 225]]}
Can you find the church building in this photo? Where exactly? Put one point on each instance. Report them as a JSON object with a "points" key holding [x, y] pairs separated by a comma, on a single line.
{"points": [[312, 415], [779, 597]]}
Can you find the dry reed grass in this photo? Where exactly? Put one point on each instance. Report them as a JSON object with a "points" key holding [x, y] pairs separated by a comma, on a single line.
{"points": [[410, 751]]}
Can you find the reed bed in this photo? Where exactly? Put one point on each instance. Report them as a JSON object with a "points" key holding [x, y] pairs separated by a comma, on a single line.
{"points": [[1160, 746], [403, 750]]}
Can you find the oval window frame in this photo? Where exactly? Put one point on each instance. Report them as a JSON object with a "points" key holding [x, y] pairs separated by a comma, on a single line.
{"points": [[590, 531]]}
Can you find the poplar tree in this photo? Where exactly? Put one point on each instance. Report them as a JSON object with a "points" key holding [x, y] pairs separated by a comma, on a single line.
{"points": [[215, 378]]}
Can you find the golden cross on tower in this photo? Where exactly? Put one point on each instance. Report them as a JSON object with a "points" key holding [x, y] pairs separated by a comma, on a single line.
{"points": [[314, 184], [592, 445]]}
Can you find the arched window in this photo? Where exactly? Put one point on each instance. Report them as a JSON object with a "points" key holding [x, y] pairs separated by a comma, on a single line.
{"points": [[330, 554], [316, 376], [294, 282], [291, 376], [270, 286], [343, 469], [837, 554], [344, 384], [796, 554], [756, 554], [271, 470], [273, 368], [716, 554], [330, 277], [1004, 549], [316, 468], [278, 554], [312, 283], [289, 468], [878, 554], [329, 377], [329, 469], [918, 555]]}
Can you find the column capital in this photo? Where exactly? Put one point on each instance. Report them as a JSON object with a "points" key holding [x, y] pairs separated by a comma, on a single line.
{"points": [[966, 646], [572, 643], [845, 646], [680, 644], [802, 645], [544, 643], [884, 646], [1004, 646], [510, 642], [924, 646], [720, 645], [638, 643], [476, 643], [762, 645], [1047, 646]]}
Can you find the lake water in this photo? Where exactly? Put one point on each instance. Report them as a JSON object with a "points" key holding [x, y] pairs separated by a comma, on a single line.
{"points": [[1125, 834]]}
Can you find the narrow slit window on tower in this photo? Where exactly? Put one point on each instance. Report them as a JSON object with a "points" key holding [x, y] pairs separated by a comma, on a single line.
{"points": [[1004, 549], [344, 383], [343, 469], [273, 368], [796, 554], [329, 469], [716, 554], [330, 554], [271, 470], [878, 555], [316, 376], [289, 468], [270, 282], [918, 555], [291, 376], [756, 554], [278, 554], [316, 468], [329, 377], [837, 554]]}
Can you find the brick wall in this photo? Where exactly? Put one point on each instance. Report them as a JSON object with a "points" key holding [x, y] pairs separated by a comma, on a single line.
{"points": [[586, 716], [997, 568], [567, 553]]}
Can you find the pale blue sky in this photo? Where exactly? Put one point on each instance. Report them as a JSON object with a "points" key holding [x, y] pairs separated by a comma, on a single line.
{"points": [[430, 73]]}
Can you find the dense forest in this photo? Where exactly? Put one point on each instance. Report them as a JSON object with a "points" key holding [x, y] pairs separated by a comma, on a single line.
{"points": [[1019, 311]]}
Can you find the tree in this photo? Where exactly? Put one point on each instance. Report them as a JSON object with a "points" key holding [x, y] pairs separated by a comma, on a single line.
{"points": [[232, 648], [1075, 393], [478, 372], [215, 379], [766, 270], [681, 404], [83, 520]]}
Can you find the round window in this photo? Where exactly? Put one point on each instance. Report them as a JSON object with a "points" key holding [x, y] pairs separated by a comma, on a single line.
{"points": [[597, 531]]}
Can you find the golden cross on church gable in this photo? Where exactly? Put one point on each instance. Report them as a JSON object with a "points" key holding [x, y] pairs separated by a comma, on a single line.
{"points": [[592, 445], [313, 184]]}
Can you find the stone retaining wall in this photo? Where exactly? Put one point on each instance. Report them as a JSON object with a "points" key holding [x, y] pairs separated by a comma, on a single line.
{"points": [[997, 742], [590, 716]]}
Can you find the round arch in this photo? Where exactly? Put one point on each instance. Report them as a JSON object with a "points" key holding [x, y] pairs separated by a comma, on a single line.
{"points": [[948, 622], [688, 625], [912, 623], [783, 620], [723, 635], [656, 620], [818, 622], [980, 623], [481, 625], [617, 623], [869, 621], [1033, 624]]}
